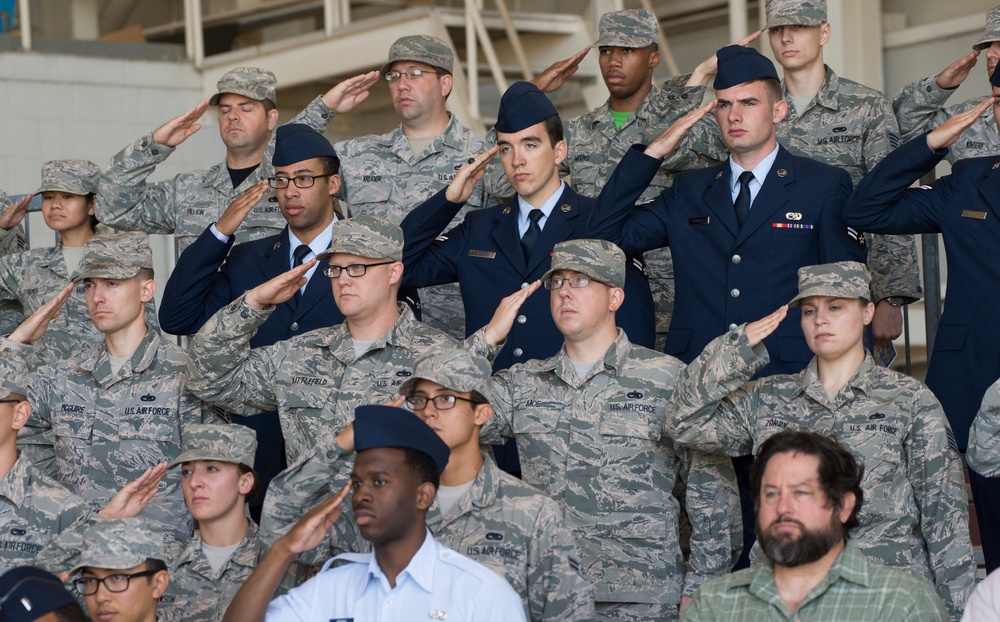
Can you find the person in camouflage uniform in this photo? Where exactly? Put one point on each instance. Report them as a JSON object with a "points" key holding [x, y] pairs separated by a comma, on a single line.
{"points": [[848, 125], [390, 174], [42, 519], [920, 106], [122, 571], [189, 203], [480, 511], [217, 478], [586, 422], [636, 112], [316, 380], [106, 415], [916, 515], [807, 494], [30, 279], [983, 454]]}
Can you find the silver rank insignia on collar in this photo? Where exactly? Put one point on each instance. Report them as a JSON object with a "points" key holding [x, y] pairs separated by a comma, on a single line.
{"points": [[437, 614]]}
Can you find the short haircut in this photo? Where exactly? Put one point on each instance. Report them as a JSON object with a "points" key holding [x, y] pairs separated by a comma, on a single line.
{"points": [[423, 466], [268, 105], [69, 613], [330, 164], [155, 565], [839, 472], [145, 274], [773, 88], [554, 128], [478, 398]]}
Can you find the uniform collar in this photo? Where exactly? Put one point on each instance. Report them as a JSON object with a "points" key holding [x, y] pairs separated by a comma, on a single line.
{"points": [[99, 362], [603, 116], [245, 555], [612, 361], [827, 95], [397, 141], [338, 340], [860, 382], [420, 569], [483, 493]]}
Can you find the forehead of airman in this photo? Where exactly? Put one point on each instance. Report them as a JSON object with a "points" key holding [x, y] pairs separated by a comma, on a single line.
{"points": [[992, 32], [367, 236], [120, 543], [225, 443], [843, 279], [634, 28], [453, 368], [115, 256], [794, 13], [422, 49], [73, 176], [599, 259], [250, 82]]}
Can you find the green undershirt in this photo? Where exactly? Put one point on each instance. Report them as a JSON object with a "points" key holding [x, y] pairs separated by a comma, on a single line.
{"points": [[620, 118]]}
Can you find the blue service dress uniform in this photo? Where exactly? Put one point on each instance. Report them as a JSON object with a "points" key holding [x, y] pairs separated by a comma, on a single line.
{"points": [[965, 208]]}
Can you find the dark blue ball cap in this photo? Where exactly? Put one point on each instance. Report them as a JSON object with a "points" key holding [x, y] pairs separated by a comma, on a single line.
{"points": [[28, 593], [739, 64], [388, 426], [296, 142], [522, 106]]}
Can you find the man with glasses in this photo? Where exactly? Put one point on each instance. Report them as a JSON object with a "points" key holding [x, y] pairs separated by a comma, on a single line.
{"points": [[587, 426], [388, 175], [316, 380], [480, 511], [122, 571]]}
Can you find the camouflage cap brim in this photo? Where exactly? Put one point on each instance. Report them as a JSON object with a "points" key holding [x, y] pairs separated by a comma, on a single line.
{"points": [[598, 259], [453, 368], [842, 279], [992, 32], [794, 13]]}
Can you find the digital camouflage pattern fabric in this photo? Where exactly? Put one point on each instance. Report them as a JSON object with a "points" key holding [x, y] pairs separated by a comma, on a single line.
{"points": [[94, 431], [115, 256], [368, 236], [451, 367], [314, 381], [250, 82], [920, 107], [843, 279], [915, 513], [196, 593], [983, 454], [187, 204], [794, 13], [381, 176], [120, 543], [225, 443], [73, 176], [598, 259], [422, 49], [634, 28], [595, 447]]}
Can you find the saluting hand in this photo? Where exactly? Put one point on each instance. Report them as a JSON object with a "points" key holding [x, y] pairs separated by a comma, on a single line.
{"points": [[464, 181], [179, 129], [506, 313], [668, 141], [948, 132], [280, 288], [132, 499], [14, 214], [312, 528], [237, 211], [707, 69], [956, 73], [558, 72], [757, 331], [36, 324], [347, 94]]}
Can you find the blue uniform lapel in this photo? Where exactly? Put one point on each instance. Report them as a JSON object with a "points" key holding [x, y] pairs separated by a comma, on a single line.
{"points": [[506, 236], [772, 196]]}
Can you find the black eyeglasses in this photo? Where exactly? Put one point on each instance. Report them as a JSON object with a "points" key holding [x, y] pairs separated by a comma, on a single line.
{"points": [[302, 181], [412, 74], [575, 282], [114, 583], [441, 402], [354, 270]]}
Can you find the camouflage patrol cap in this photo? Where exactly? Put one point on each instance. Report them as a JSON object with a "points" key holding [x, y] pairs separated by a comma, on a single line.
{"points": [[13, 373], [452, 368], [598, 259], [250, 82], [366, 236], [992, 32], [117, 255], [843, 279], [635, 28], [794, 13], [421, 49], [224, 443], [74, 176], [120, 543]]}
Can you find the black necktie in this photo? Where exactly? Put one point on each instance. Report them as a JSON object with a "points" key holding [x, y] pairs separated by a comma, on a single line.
{"points": [[742, 202], [299, 255], [531, 235]]}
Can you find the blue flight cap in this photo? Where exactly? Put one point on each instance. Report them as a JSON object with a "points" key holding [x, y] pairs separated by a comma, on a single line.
{"points": [[388, 426], [296, 142], [522, 106], [739, 64], [28, 593]]}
